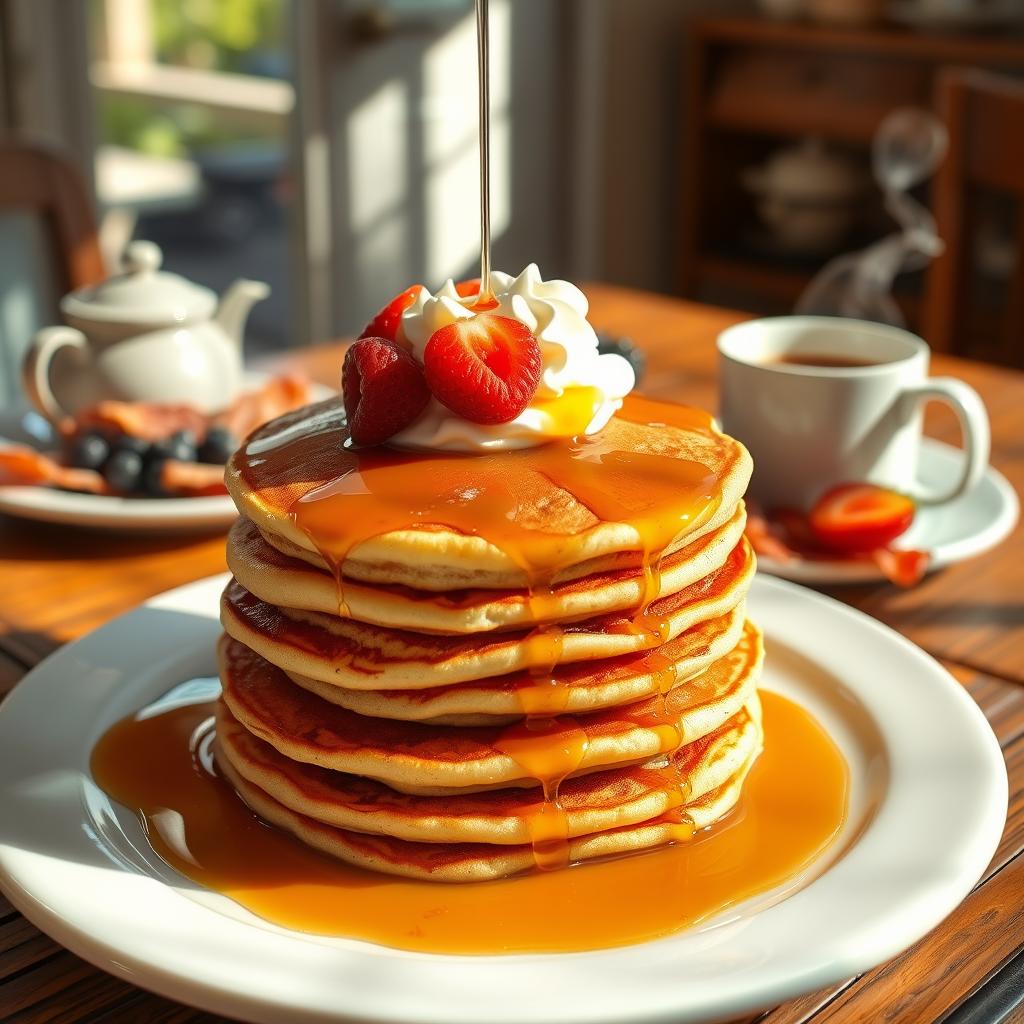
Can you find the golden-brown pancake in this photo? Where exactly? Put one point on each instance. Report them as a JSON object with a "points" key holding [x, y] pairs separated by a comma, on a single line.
{"points": [[420, 758], [582, 686], [292, 582], [471, 861], [592, 803], [287, 462], [364, 657]]}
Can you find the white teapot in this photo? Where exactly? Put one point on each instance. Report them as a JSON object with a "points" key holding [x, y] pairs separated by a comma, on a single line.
{"points": [[146, 336]]}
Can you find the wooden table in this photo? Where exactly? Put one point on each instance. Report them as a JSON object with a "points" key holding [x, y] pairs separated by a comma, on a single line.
{"points": [[59, 583]]}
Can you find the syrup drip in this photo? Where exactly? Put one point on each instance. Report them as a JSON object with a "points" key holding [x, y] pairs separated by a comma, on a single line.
{"points": [[548, 750], [793, 805]]}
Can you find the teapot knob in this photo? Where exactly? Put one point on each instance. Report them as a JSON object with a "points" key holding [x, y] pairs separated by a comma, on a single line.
{"points": [[142, 257]]}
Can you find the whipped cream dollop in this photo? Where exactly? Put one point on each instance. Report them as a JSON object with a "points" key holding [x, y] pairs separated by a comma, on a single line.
{"points": [[580, 389]]}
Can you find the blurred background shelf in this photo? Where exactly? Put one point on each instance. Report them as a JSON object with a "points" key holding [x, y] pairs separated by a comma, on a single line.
{"points": [[754, 85]]}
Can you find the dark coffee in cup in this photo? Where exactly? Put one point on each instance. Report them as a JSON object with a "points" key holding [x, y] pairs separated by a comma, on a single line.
{"points": [[831, 362]]}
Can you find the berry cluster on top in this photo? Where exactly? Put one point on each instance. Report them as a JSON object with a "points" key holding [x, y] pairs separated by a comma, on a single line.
{"points": [[486, 369]]}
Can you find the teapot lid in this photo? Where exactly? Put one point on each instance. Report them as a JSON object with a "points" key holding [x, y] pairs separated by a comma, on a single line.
{"points": [[809, 170], [142, 294]]}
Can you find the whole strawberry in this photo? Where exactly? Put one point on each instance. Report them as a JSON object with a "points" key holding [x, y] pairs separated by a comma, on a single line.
{"points": [[383, 389]]}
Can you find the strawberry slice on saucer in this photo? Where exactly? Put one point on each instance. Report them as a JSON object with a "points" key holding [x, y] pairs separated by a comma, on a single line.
{"points": [[383, 390], [385, 324], [859, 518], [486, 368]]}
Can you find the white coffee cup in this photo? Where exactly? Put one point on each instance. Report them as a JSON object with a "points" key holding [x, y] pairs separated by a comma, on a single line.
{"points": [[809, 427]]}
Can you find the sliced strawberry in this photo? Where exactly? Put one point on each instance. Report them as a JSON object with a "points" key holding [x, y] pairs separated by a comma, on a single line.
{"points": [[470, 290], [860, 517], [383, 389], [486, 368], [385, 323]]}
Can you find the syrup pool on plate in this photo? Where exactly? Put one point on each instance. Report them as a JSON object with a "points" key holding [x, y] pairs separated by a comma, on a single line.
{"points": [[159, 764]]}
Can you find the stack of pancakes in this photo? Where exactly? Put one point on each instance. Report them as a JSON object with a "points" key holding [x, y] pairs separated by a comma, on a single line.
{"points": [[416, 701]]}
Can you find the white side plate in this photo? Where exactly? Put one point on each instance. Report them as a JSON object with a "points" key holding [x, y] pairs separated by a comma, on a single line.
{"points": [[80, 868], [139, 515]]}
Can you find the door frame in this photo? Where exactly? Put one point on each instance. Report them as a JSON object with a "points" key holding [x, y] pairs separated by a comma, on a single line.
{"points": [[314, 24]]}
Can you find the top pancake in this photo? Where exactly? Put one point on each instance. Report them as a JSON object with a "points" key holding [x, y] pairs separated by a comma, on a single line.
{"points": [[292, 582], [648, 482]]}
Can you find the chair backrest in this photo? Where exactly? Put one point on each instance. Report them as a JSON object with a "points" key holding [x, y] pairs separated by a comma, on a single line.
{"points": [[978, 198], [48, 246]]}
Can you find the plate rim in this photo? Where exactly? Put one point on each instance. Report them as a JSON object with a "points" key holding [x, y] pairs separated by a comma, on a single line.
{"points": [[846, 957]]}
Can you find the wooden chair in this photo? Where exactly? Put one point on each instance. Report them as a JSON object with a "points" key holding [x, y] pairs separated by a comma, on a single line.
{"points": [[43, 183], [48, 246], [984, 114]]}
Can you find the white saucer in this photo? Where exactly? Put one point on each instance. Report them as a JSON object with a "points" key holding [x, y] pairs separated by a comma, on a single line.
{"points": [[80, 868], [961, 529], [141, 515]]}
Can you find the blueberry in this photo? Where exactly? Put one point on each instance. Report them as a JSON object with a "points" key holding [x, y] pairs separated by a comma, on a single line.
{"points": [[127, 443], [218, 447], [608, 345], [152, 477], [89, 451], [123, 470], [180, 446]]}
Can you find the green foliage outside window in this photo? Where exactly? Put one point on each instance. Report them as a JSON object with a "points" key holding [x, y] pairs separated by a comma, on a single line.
{"points": [[238, 36], [217, 34]]}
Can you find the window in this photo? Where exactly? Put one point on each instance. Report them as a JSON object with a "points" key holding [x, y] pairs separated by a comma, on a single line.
{"points": [[192, 105]]}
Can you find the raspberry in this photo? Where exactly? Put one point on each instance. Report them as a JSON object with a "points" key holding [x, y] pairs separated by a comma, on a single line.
{"points": [[383, 389]]}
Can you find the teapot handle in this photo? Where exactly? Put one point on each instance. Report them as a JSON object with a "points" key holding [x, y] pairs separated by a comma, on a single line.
{"points": [[35, 369]]}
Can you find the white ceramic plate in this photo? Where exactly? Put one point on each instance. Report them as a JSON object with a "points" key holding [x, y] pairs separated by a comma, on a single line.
{"points": [[139, 515], [963, 528], [80, 868]]}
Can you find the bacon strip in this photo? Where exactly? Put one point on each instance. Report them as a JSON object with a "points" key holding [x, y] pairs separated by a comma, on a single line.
{"points": [[21, 466], [148, 422], [151, 421], [192, 479], [253, 409]]}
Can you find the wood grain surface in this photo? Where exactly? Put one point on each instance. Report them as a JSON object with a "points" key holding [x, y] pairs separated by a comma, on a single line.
{"points": [[59, 583]]}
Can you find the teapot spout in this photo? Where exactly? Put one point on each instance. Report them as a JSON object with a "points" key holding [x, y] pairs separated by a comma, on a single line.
{"points": [[235, 305]]}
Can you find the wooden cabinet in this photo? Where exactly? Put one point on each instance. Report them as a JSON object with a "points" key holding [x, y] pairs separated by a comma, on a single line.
{"points": [[754, 85]]}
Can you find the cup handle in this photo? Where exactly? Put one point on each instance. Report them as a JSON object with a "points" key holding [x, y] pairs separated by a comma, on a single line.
{"points": [[974, 429], [35, 369]]}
